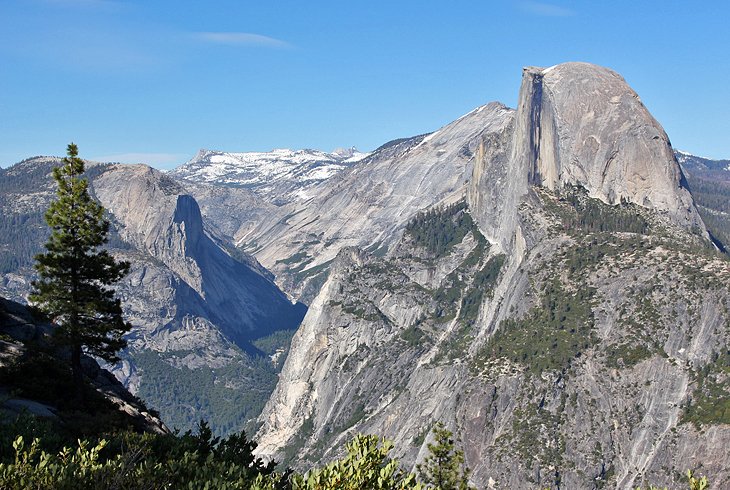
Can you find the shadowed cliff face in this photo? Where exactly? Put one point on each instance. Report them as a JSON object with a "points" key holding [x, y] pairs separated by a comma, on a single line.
{"points": [[190, 223], [29, 359], [563, 336], [159, 217]]}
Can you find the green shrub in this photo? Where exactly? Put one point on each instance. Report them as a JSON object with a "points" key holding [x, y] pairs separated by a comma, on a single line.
{"points": [[439, 230], [366, 466], [550, 335], [710, 402]]}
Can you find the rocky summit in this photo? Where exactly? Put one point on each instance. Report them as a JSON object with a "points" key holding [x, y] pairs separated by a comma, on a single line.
{"points": [[558, 303]]}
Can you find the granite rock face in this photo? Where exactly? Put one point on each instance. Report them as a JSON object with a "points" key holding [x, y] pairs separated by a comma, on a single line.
{"points": [[368, 204], [158, 217], [588, 127], [579, 124], [566, 336], [195, 302]]}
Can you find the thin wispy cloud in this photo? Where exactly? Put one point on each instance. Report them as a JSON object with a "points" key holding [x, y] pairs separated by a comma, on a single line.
{"points": [[241, 39], [83, 3], [545, 9]]}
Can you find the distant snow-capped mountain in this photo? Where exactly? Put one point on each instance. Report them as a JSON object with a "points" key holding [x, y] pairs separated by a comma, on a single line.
{"points": [[696, 164], [279, 176]]}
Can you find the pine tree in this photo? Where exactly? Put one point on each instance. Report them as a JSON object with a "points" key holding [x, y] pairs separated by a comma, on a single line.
{"points": [[443, 468], [74, 275]]}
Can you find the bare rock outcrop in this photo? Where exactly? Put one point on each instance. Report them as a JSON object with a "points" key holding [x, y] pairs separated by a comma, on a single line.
{"points": [[368, 204], [579, 124], [566, 335], [156, 214]]}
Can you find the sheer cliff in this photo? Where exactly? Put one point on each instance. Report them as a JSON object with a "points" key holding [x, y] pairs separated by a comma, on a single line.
{"points": [[569, 319]]}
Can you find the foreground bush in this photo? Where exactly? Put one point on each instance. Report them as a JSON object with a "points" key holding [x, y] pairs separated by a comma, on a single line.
{"points": [[134, 461], [366, 466], [150, 462]]}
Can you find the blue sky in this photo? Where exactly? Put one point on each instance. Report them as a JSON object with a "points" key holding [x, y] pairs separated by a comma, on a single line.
{"points": [[154, 81]]}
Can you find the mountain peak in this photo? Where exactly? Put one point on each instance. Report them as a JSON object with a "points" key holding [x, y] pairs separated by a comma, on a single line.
{"points": [[581, 124]]}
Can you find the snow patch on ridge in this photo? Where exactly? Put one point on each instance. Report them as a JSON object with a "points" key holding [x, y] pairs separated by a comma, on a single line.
{"points": [[279, 176]]}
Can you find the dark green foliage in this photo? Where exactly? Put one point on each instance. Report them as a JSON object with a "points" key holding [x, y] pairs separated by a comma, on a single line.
{"points": [[20, 239], [449, 295], [592, 215], [40, 376], [484, 280], [464, 290], [198, 460], [713, 200], [134, 461], [712, 194], [26, 180], [439, 230], [628, 354], [444, 467], [412, 335], [21, 236], [31, 427], [365, 467], [718, 225], [74, 276], [229, 396], [469, 298], [276, 341], [550, 335], [710, 402]]}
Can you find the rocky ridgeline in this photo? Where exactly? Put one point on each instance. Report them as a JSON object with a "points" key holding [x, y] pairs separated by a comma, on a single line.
{"points": [[278, 177], [538, 279], [573, 332], [367, 205]]}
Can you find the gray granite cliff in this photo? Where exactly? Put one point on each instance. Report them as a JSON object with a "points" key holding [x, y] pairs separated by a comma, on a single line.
{"points": [[567, 332]]}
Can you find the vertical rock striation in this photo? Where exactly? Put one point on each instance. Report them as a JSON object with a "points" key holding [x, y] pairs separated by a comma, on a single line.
{"points": [[579, 124], [565, 338]]}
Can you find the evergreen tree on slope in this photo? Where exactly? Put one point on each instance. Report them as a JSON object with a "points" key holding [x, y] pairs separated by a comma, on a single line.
{"points": [[444, 468], [74, 275]]}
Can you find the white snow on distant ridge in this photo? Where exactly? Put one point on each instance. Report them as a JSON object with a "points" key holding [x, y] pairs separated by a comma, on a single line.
{"points": [[281, 175], [683, 157]]}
